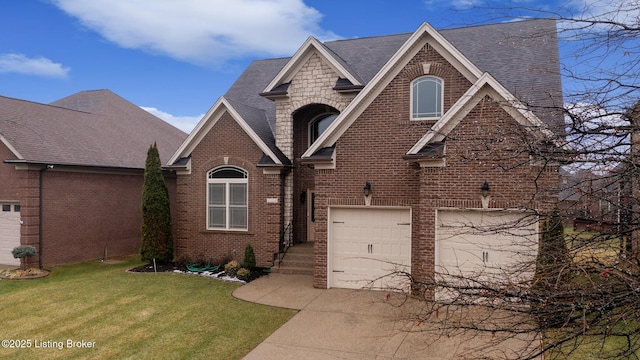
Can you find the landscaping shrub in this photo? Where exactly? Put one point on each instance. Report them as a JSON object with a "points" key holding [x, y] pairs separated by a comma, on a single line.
{"points": [[243, 273], [20, 252], [553, 274], [231, 268], [157, 233], [23, 252], [249, 257]]}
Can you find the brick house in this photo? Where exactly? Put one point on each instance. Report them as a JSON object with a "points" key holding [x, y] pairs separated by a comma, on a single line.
{"points": [[72, 175], [591, 201], [373, 149]]}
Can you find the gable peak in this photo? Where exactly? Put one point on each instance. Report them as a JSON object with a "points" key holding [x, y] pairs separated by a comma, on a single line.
{"points": [[310, 47]]}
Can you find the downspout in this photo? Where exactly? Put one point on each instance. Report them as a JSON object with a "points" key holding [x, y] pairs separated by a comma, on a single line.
{"points": [[40, 227]]}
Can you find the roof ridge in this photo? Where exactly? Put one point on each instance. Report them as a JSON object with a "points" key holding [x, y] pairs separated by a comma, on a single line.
{"points": [[43, 104], [368, 37], [515, 21]]}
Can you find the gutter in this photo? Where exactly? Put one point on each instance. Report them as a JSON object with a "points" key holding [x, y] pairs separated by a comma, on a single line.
{"points": [[40, 227]]}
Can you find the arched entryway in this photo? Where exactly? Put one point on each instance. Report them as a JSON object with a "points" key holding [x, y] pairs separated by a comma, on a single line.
{"points": [[309, 122]]}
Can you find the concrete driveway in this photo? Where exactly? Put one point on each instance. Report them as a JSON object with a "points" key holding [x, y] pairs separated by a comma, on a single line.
{"points": [[350, 324]]}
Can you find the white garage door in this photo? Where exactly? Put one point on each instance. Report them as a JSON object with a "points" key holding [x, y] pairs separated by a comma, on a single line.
{"points": [[366, 245], [9, 232], [491, 246]]}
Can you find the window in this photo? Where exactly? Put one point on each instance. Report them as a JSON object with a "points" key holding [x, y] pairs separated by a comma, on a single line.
{"points": [[426, 98], [227, 195], [319, 125]]}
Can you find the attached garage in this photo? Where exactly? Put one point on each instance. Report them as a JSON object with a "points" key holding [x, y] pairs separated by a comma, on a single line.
{"points": [[366, 245], [9, 232], [493, 245]]}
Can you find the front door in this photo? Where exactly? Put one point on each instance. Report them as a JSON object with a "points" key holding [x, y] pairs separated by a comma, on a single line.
{"points": [[311, 215]]}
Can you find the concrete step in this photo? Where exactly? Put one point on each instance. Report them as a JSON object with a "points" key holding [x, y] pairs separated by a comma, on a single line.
{"points": [[297, 260], [293, 271], [304, 248], [298, 256], [297, 263]]}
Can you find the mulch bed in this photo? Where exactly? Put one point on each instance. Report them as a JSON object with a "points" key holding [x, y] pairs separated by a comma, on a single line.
{"points": [[181, 267], [20, 274]]}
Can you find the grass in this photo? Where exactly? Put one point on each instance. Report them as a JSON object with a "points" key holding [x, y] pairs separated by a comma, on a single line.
{"points": [[131, 316], [597, 250], [593, 348], [592, 246]]}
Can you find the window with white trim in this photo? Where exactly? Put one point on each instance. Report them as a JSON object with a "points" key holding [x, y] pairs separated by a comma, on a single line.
{"points": [[426, 98], [227, 199]]}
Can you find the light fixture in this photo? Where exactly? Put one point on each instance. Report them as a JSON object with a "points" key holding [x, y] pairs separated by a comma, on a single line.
{"points": [[367, 189], [485, 189]]}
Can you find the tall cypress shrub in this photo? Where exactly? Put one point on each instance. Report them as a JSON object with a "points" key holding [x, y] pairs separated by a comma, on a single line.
{"points": [[553, 275], [554, 254], [157, 233]]}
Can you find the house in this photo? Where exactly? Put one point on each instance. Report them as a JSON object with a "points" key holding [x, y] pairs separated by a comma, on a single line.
{"points": [[591, 201], [375, 150], [72, 175]]}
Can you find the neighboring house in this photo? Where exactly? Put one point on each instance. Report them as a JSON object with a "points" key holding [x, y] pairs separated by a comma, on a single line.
{"points": [[376, 149], [72, 175], [591, 201]]}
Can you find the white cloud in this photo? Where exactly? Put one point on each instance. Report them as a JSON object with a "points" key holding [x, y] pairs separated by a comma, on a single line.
{"points": [[184, 123], [597, 136], [39, 66], [201, 31]]}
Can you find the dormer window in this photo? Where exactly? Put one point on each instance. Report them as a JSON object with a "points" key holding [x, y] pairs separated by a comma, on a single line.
{"points": [[426, 98], [318, 125]]}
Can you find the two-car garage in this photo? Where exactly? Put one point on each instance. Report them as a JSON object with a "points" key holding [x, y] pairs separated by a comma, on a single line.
{"points": [[367, 244]]}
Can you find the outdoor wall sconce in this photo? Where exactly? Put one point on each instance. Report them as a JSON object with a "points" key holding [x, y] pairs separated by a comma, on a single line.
{"points": [[485, 189], [303, 197], [367, 189]]}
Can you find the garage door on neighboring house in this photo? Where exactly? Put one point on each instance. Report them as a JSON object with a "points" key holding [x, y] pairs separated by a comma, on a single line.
{"points": [[368, 244], [484, 244], [9, 232]]}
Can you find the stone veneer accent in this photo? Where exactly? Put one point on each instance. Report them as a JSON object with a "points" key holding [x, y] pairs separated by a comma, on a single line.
{"points": [[312, 84]]}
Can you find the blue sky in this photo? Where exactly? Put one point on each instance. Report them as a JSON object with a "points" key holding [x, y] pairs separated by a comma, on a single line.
{"points": [[176, 57]]}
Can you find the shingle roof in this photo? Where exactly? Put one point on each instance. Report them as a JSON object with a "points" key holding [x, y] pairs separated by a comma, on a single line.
{"points": [[522, 56], [90, 128], [257, 120]]}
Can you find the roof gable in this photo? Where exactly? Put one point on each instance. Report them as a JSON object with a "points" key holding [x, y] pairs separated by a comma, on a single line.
{"points": [[485, 85], [310, 47], [425, 34], [255, 126]]}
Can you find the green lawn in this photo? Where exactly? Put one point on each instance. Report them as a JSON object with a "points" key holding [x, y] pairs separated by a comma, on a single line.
{"points": [[598, 251], [130, 316], [593, 246]]}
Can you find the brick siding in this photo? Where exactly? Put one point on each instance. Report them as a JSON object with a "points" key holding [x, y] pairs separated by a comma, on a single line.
{"points": [[83, 211], [487, 144], [227, 144], [482, 147]]}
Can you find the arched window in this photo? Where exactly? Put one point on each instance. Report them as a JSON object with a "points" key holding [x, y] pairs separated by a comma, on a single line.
{"points": [[318, 125], [227, 199], [426, 98]]}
